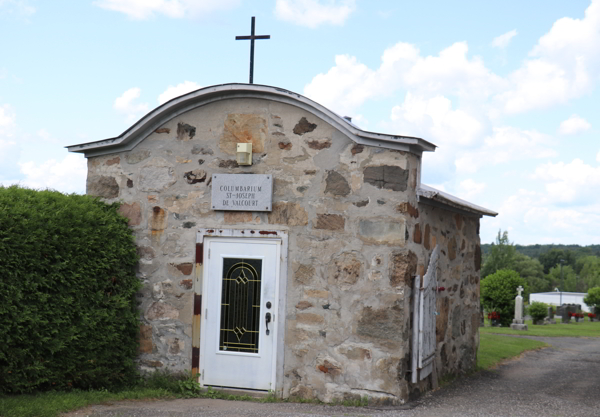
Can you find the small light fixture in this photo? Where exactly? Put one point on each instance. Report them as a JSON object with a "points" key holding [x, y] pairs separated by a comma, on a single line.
{"points": [[244, 154]]}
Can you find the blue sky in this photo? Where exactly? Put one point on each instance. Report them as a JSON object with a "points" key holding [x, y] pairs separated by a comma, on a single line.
{"points": [[508, 90]]}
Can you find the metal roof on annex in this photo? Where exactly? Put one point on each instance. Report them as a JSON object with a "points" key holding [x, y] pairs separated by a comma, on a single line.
{"points": [[204, 96], [433, 197]]}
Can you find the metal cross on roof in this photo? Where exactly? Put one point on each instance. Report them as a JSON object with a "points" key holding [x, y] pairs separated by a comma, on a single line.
{"points": [[252, 37]]}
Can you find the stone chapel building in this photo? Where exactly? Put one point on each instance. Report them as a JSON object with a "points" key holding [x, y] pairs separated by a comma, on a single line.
{"points": [[324, 269]]}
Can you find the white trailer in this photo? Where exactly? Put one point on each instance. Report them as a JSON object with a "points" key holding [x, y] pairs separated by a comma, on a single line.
{"points": [[554, 298]]}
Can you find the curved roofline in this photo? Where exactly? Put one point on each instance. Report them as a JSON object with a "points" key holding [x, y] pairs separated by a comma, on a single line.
{"points": [[203, 96]]}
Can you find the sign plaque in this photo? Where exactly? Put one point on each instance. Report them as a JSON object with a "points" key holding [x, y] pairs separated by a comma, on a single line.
{"points": [[242, 192]]}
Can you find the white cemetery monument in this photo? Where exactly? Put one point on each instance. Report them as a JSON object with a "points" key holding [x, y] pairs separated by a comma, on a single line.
{"points": [[518, 323]]}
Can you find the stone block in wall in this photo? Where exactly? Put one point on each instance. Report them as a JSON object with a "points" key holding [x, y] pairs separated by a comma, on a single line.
{"points": [[457, 322], [316, 294], [133, 212], [328, 365], [303, 305], [304, 274], [161, 311], [234, 217], [158, 219], [243, 128], [145, 338], [345, 269], [354, 352], [336, 184], [302, 391], [387, 177], [441, 320], [330, 222], [304, 126], [417, 234], [319, 144], [309, 318], [176, 346], [102, 186], [185, 268], [403, 267], [382, 232], [383, 323], [156, 175], [452, 248], [291, 214], [427, 237], [407, 208], [185, 131], [137, 156]]}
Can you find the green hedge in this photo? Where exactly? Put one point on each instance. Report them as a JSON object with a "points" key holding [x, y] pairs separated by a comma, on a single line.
{"points": [[68, 316], [498, 293]]}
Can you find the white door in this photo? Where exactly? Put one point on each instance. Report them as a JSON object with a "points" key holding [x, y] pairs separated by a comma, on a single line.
{"points": [[239, 333], [424, 304]]}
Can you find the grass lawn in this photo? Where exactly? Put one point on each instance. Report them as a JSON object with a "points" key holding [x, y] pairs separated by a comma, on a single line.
{"points": [[51, 404], [581, 329], [495, 348]]}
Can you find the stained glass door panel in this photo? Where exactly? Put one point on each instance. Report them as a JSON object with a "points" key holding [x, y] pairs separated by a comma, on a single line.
{"points": [[240, 305]]}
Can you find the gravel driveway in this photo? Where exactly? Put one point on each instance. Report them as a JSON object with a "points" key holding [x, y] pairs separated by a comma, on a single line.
{"points": [[563, 380]]}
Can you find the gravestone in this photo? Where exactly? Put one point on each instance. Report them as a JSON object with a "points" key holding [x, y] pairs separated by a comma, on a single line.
{"points": [[550, 318], [518, 323], [563, 313]]}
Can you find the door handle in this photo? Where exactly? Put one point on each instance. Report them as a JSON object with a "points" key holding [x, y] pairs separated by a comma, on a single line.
{"points": [[267, 320]]}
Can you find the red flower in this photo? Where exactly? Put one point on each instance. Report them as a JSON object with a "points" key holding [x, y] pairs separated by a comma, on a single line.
{"points": [[493, 316]]}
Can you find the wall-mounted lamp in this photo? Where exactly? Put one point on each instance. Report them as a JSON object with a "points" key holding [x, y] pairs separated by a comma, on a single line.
{"points": [[244, 154]]}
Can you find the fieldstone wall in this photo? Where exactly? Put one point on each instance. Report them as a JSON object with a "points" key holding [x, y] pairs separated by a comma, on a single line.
{"points": [[356, 233], [457, 322]]}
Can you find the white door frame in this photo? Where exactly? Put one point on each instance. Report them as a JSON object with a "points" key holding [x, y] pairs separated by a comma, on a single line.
{"points": [[259, 236]]}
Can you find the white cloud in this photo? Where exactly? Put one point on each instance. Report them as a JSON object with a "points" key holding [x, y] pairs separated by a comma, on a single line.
{"points": [[563, 65], [177, 9], [435, 119], [178, 90], [469, 188], [47, 137], [506, 144], [7, 119], [570, 183], [573, 125], [350, 83], [127, 105], [67, 176], [537, 218], [503, 40], [312, 13], [19, 7]]}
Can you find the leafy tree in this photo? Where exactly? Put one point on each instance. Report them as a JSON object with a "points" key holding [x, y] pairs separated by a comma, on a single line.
{"points": [[593, 298], [552, 258], [570, 281], [538, 310], [502, 255], [498, 292], [588, 268], [532, 271]]}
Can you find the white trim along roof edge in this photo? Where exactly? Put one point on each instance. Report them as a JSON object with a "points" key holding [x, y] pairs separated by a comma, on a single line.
{"points": [[429, 195], [179, 105]]}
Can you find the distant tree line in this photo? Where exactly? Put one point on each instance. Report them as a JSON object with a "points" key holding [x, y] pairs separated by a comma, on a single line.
{"points": [[540, 265]]}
